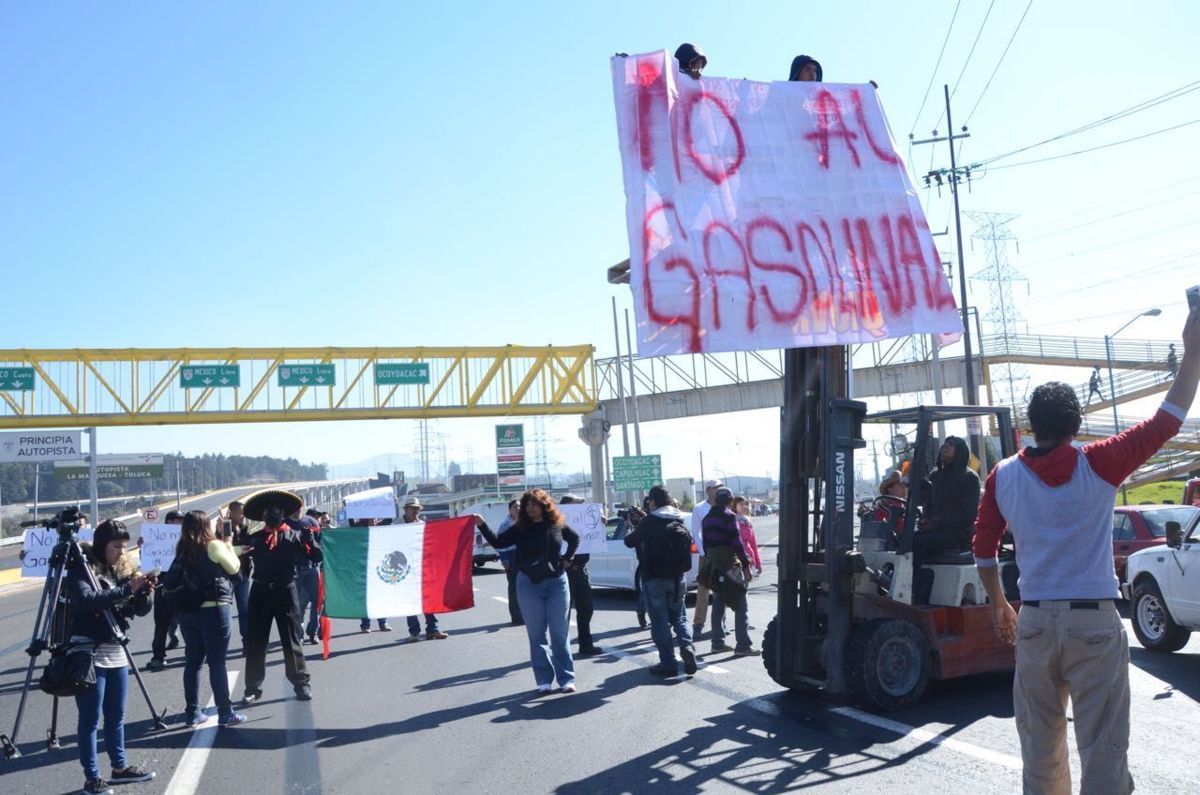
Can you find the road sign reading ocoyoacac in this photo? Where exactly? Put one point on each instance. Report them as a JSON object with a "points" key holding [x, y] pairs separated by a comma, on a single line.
{"points": [[636, 472], [113, 467], [16, 379], [22, 446], [307, 375], [392, 374], [210, 376], [510, 454]]}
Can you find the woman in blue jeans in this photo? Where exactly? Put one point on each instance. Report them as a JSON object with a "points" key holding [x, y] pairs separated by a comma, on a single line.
{"points": [[538, 536], [106, 582], [208, 561]]}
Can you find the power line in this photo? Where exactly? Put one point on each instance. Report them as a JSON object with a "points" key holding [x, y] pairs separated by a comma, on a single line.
{"points": [[1060, 230], [1123, 312], [1109, 204], [1101, 146], [937, 65], [1121, 114], [997, 69], [967, 62]]}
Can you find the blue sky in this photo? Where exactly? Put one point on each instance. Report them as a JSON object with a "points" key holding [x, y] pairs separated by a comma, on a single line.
{"points": [[388, 173]]}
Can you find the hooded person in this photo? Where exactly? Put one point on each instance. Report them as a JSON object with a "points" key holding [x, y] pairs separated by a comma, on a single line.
{"points": [[692, 60], [953, 502], [806, 69]]}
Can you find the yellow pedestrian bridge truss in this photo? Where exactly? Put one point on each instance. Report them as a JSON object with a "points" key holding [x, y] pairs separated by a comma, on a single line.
{"points": [[147, 386]]}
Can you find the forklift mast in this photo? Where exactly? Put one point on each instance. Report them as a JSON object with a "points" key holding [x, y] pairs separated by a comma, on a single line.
{"points": [[821, 429]]}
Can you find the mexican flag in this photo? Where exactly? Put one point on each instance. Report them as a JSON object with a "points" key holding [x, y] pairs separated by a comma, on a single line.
{"points": [[398, 569]]}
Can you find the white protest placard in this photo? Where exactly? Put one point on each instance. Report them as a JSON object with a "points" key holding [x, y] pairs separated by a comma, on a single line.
{"points": [[158, 545], [768, 215], [37, 545], [587, 519]]}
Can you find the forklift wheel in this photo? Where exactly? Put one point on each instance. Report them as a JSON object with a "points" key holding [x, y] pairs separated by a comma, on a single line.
{"points": [[770, 649], [889, 664]]}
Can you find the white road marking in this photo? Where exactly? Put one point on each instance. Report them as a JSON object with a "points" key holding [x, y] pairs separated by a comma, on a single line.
{"points": [[716, 669], [924, 735], [186, 780], [500, 599]]}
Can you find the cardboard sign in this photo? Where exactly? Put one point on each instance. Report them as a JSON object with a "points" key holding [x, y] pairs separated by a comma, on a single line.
{"points": [[587, 519], [158, 545]]}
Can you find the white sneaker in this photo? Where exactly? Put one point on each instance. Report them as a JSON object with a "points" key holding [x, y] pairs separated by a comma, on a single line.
{"points": [[544, 689]]}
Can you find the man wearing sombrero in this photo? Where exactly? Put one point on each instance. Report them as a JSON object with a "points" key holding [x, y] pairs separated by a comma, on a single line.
{"points": [[275, 551]]}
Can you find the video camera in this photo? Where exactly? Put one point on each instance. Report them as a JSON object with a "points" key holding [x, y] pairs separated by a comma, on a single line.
{"points": [[67, 522]]}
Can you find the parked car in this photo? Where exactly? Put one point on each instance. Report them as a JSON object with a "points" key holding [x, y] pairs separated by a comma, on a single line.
{"points": [[483, 551], [616, 567], [1164, 589], [1136, 527]]}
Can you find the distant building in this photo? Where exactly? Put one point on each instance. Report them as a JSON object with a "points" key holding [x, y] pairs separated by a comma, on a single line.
{"points": [[681, 488], [469, 482]]}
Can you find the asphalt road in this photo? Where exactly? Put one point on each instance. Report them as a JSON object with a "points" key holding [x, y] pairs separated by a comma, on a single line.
{"points": [[458, 716]]}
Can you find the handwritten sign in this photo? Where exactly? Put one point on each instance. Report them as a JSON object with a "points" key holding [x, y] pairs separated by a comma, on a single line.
{"points": [[37, 546], [587, 519], [767, 215], [158, 545]]}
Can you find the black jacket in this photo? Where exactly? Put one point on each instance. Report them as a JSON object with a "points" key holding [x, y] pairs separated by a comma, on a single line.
{"points": [[954, 495], [278, 563], [217, 585], [88, 603], [538, 546], [637, 538]]}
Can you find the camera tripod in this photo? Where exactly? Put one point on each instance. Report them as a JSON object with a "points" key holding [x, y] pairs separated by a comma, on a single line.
{"points": [[50, 632]]}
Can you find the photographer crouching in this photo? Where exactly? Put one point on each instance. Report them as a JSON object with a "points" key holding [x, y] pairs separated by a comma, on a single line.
{"points": [[127, 593]]}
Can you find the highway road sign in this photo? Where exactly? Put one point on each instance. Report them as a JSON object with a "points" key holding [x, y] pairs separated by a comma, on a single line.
{"points": [[393, 373], [150, 515], [113, 467], [636, 472], [16, 379], [31, 446], [510, 454], [208, 376], [307, 374]]}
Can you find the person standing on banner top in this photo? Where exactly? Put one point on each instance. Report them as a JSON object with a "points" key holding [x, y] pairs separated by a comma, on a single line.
{"points": [[702, 593], [308, 577], [665, 549], [508, 559], [538, 537], [166, 623], [1057, 500], [806, 69], [580, 584], [692, 60], [412, 515], [275, 550]]}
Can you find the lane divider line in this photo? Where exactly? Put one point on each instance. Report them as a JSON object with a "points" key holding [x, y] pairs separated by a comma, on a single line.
{"points": [[186, 780], [926, 736]]}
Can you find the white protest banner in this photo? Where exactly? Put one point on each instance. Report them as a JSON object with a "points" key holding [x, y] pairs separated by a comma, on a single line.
{"points": [[768, 215], [158, 545], [587, 519], [37, 545]]}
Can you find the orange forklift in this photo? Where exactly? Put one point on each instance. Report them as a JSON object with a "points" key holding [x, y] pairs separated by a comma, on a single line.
{"points": [[855, 617]]}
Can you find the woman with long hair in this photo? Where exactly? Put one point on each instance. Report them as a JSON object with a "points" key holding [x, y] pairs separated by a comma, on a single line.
{"points": [[106, 581], [538, 535], [209, 562], [741, 509]]}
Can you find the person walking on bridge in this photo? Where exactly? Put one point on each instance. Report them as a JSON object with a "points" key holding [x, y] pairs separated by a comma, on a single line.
{"points": [[1094, 387], [1057, 500]]}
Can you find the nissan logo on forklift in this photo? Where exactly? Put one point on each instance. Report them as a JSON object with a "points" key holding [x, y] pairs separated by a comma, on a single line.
{"points": [[855, 619]]}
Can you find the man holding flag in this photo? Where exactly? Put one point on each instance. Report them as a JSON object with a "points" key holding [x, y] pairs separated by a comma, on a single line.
{"points": [[412, 515]]}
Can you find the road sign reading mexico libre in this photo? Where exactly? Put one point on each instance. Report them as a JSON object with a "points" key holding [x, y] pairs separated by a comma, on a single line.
{"points": [[210, 376], [395, 373], [16, 379], [307, 375], [636, 472]]}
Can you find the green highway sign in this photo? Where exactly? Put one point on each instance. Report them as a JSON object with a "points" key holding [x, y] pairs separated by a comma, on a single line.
{"points": [[112, 467], [307, 374], [210, 376], [16, 379], [636, 472], [399, 374]]}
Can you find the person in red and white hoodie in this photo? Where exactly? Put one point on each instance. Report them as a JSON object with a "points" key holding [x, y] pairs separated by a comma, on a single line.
{"points": [[1056, 500]]}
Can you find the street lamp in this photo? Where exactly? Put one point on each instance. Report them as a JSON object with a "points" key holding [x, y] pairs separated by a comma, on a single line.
{"points": [[1112, 389]]}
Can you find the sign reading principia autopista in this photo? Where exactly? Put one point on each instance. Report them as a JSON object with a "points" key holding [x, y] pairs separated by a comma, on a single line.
{"points": [[30, 446], [393, 374]]}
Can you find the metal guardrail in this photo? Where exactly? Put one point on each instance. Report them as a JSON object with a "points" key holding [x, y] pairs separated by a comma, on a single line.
{"points": [[659, 374], [1150, 352]]}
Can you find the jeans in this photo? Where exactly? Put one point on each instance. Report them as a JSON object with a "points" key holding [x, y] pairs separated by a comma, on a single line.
{"points": [[241, 597], [514, 603], [364, 623], [641, 589], [165, 623], [308, 583], [664, 603], [108, 695], [414, 624], [544, 605], [740, 621], [206, 635], [581, 599]]}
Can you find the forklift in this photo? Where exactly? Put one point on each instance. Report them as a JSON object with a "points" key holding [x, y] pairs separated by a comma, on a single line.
{"points": [[855, 619]]}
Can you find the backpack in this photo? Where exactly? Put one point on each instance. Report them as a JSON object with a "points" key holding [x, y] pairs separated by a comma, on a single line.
{"points": [[183, 589], [669, 550]]}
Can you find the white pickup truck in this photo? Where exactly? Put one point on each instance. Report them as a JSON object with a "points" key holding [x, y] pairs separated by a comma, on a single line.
{"points": [[1163, 586]]}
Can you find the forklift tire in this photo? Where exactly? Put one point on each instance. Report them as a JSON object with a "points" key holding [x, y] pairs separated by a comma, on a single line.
{"points": [[889, 664], [770, 649]]}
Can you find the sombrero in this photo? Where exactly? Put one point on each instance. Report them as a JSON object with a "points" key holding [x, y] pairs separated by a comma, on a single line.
{"points": [[258, 502]]}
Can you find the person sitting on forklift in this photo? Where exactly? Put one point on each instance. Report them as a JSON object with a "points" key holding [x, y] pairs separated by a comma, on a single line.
{"points": [[890, 505], [953, 503]]}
